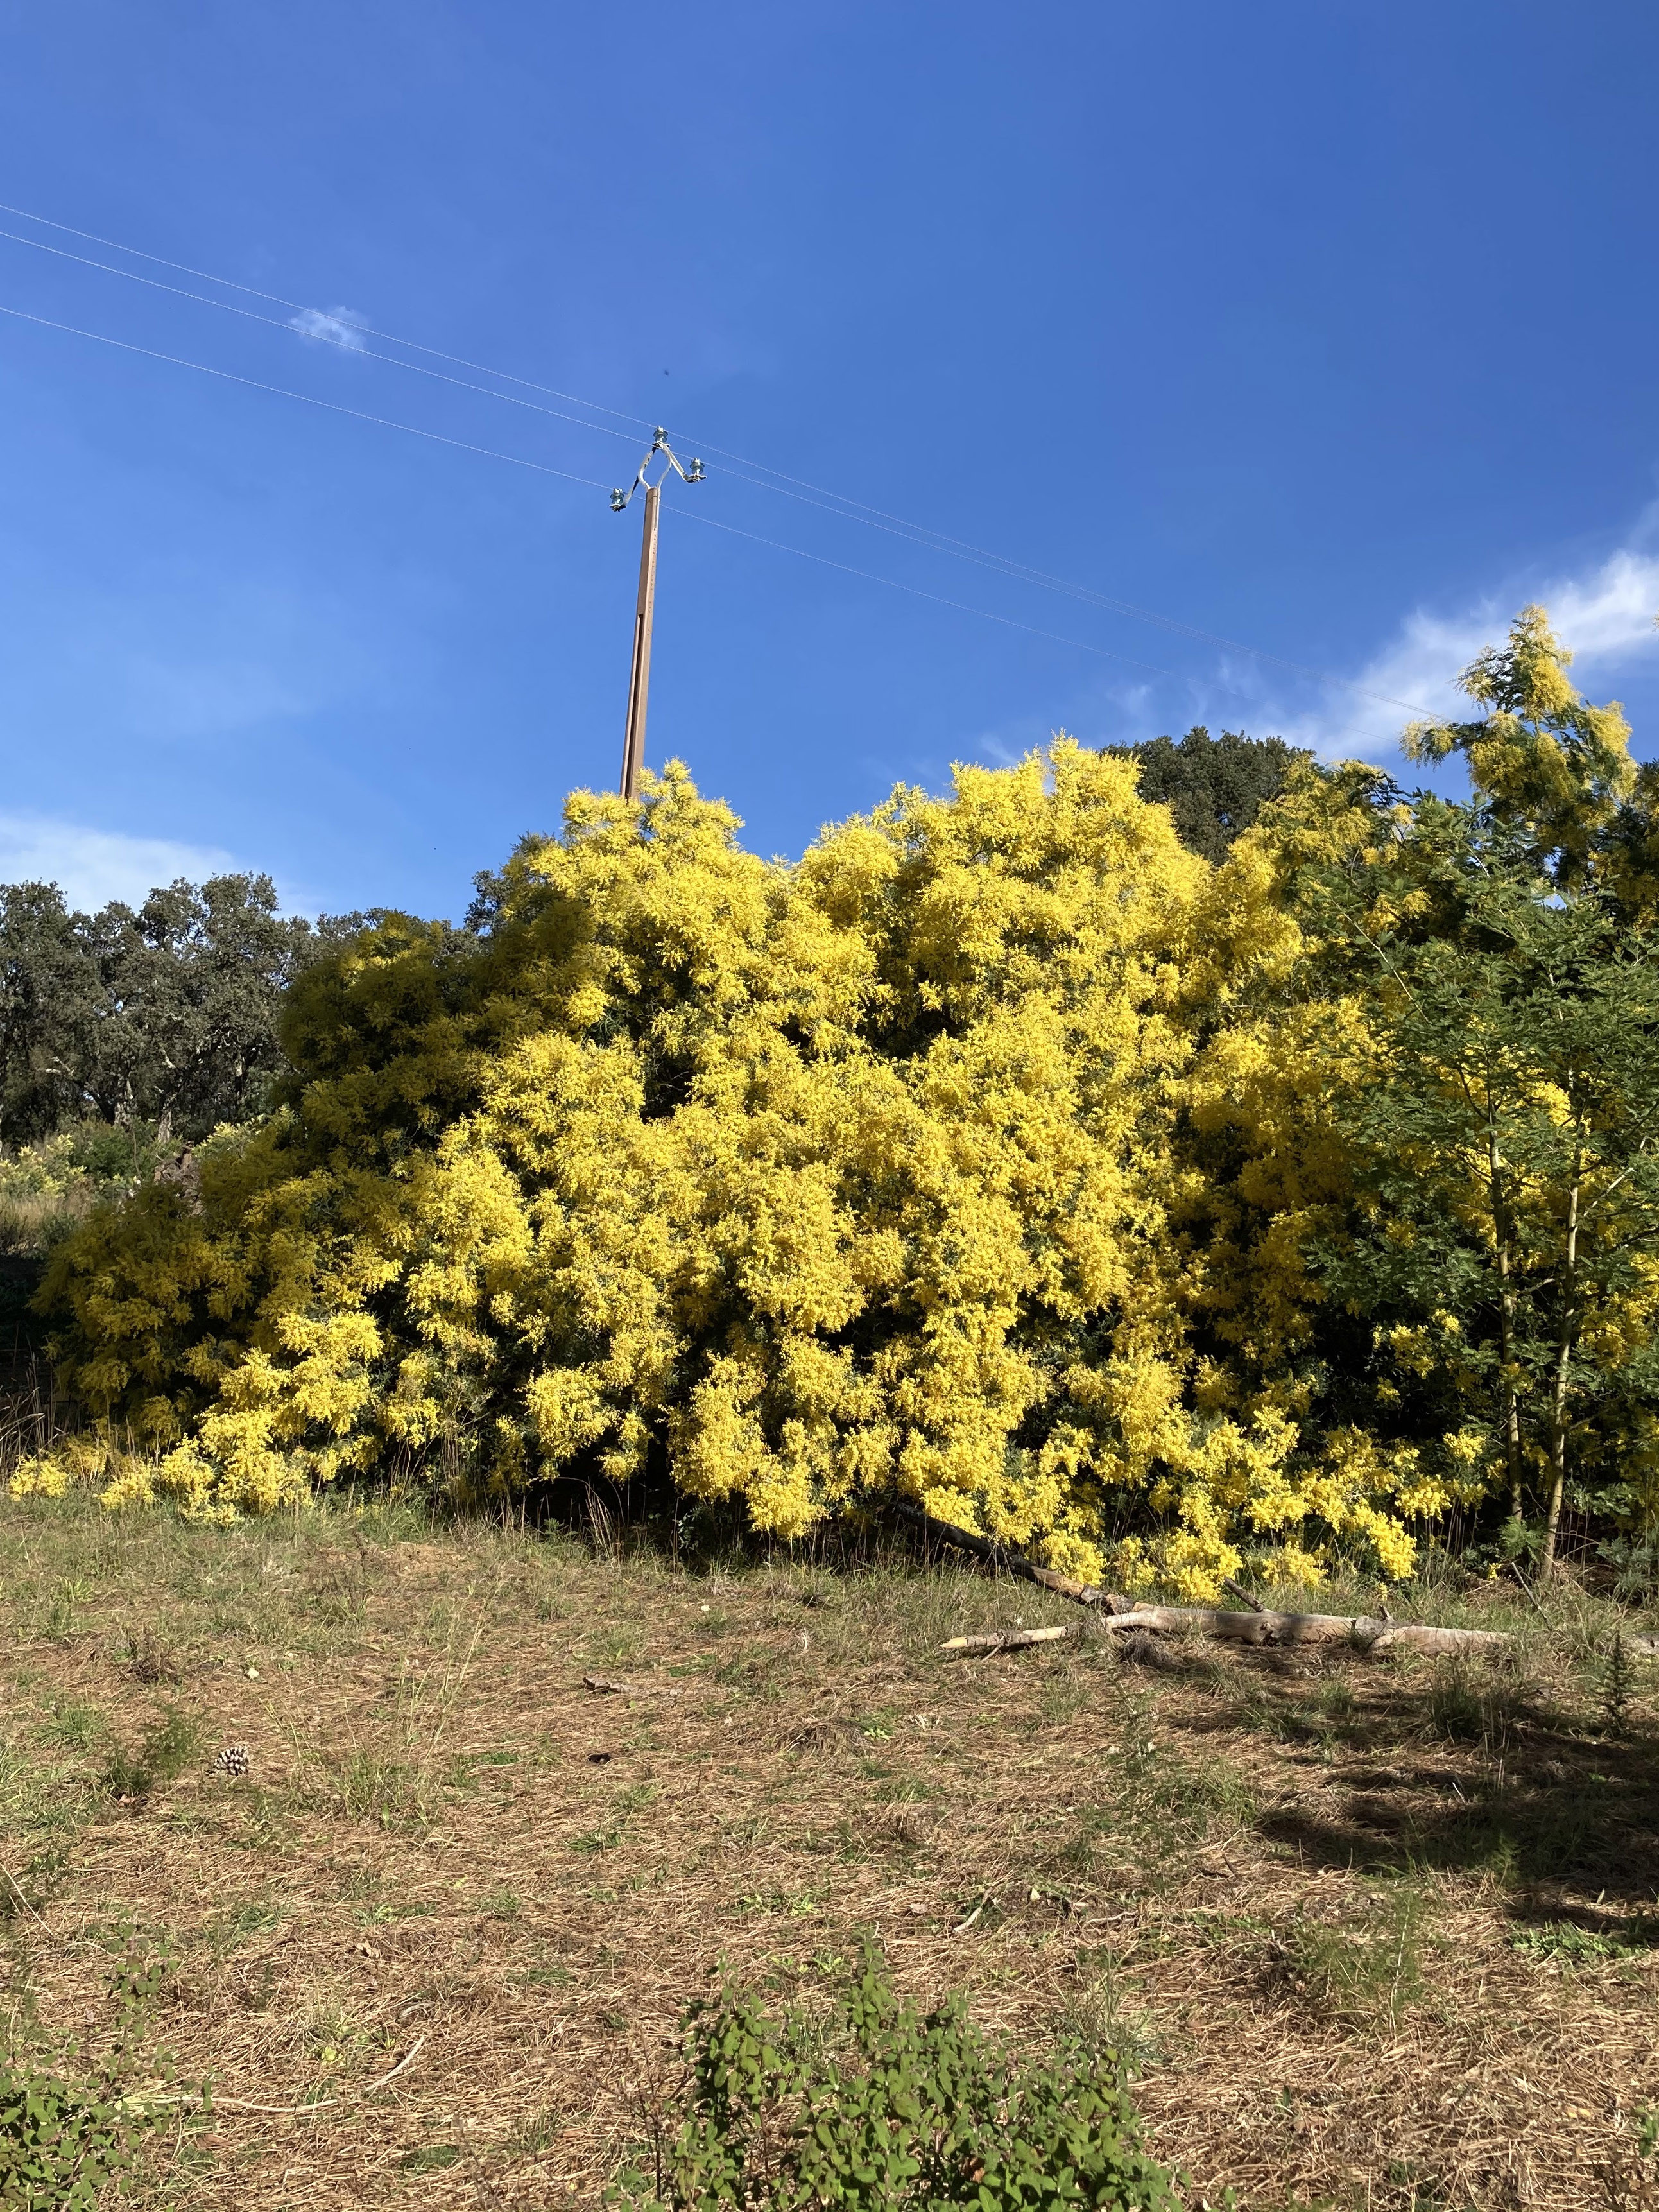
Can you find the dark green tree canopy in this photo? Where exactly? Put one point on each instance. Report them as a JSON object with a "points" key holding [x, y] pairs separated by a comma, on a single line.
{"points": [[163, 1014], [1214, 787]]}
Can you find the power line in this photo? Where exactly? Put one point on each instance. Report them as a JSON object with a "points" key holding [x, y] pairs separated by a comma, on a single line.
{"points": [[323, 337], [1008, 622], [918, 534], [301, 307], [788, 487], [333, 406], [542, 468]]}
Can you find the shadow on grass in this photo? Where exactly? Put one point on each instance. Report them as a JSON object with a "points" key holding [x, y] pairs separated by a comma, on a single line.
{"points": [[1464, 1769], [1549, 1817]]}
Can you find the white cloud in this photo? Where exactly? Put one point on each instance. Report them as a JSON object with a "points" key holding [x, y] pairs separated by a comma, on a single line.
{"points": [[1606, 616], [339, 327], [92, 866], [1609, 617]]}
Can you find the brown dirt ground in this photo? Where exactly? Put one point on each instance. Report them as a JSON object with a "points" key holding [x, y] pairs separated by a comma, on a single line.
{"points": [[1374, 1930]]}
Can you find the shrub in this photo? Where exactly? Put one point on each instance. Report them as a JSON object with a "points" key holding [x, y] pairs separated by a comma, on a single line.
{"points": [[70, 2135], [63, 2143], [804, 1184], [883, 2108]]}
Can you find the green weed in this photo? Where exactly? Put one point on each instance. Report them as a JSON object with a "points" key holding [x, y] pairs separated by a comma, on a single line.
{"points": [[1470, 1701], [592, 1840], [69, 1600], [257, 1917], [430, 2158], [879, 2107], [164, 1751], [1617, 1687], [1572, 1945], [1100, 2020], [148, 1659], [389, 1773], [1367, 1971], [75, 1724]]}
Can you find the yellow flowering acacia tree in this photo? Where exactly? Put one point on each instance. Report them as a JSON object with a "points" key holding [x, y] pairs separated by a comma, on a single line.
{"points": [[972, 1158], [1503, 1245]]}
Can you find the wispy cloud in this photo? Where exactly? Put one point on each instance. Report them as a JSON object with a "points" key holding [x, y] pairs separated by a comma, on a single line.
{"points": [[1605, 614], [92, 866], [337, 327]]}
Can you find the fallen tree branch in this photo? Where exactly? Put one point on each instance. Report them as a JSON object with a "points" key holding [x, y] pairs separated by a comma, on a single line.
{"points": [[1010, 1639], [283, 2111], [1361, 1633], [1365, 1633]]}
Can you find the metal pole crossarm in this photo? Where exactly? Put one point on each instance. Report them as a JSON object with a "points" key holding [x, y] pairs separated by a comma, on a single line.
{"points": [[639, 677], [694, 471]]}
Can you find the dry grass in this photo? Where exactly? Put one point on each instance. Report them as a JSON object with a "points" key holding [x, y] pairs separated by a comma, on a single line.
{"points": [[1375, 1933]]}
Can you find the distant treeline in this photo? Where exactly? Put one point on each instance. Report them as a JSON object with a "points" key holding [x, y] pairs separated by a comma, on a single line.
{"points": [[163, 1015]]}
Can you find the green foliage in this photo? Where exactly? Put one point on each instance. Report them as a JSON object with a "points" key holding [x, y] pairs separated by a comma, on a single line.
{"points": [[73, 2133], [1471, 1701], [1572, 1946], [429, 2158], [883, 2107], [164, 1014], [1214, 787], [1501, 1237], [63, 2143], [165, 1749], [1553, 770], [1368, 1972]]}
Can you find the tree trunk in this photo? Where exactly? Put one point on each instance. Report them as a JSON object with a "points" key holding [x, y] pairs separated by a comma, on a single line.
{"points": [[1502, 1238], [1558, 1394]]}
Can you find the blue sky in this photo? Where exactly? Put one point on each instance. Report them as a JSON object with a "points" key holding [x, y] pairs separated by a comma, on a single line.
{"points": [[1324, 329]]}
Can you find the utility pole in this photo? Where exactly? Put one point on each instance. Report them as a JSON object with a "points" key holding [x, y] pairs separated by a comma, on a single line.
{"points": [[638, 678]]}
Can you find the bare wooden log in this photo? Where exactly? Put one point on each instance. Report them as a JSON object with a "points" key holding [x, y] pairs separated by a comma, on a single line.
{"points": [[1010, 1639], [1410, 1636], [1365, 1633], [1361, 1633], [1261, 1627]]}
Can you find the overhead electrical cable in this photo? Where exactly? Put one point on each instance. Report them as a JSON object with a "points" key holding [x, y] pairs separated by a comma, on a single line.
{"points": [[301, 306], [918, 534], [786, 486], [282, 391], [1008, 622], [321, 337], [542, 468]]}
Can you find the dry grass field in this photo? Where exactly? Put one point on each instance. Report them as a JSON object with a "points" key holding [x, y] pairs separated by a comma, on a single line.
{"points": [[1379, 1933]]}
